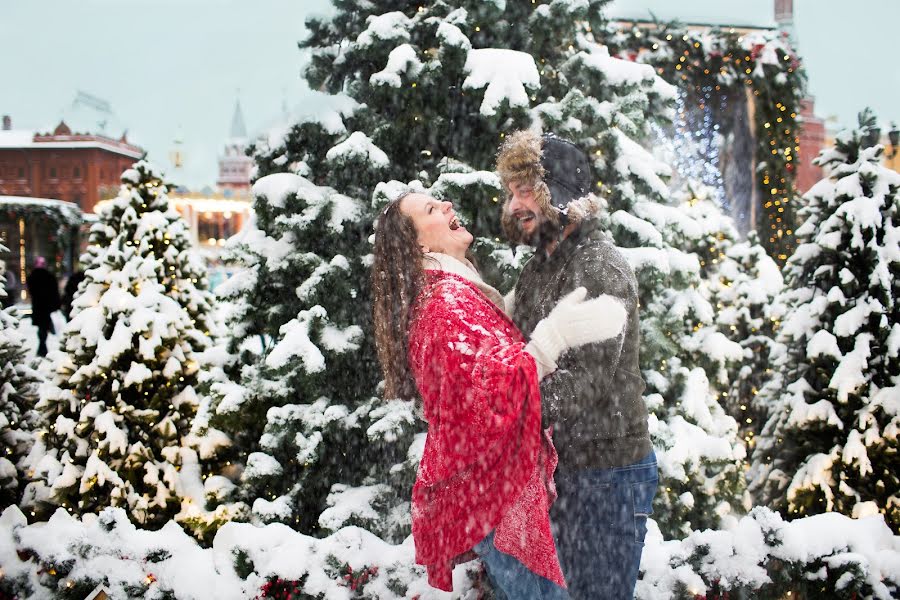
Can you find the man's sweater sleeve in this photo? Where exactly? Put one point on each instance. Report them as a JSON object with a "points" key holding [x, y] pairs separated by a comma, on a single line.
{"points": [[591, 366]]}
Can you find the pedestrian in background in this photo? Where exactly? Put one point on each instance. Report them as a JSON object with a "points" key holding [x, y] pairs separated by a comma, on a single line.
{"points": [[44, 292]]}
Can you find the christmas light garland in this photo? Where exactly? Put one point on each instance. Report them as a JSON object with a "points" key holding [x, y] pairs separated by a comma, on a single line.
{"points": [[730, 63]]}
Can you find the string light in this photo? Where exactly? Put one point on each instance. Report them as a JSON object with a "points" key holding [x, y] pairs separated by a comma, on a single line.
{"points": [[741, 65], [696, 143]]}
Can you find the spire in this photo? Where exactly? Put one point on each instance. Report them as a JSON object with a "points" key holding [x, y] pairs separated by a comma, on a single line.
{"points": [[235, 165], [176, 156], [238, 130]]}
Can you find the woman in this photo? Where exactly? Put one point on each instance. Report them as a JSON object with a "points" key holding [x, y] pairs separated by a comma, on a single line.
{"points": [[484, 482]]}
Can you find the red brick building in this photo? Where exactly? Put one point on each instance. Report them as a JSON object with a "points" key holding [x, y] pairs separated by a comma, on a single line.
{"points": [[812, 130], [81, 168], [812, 141]]}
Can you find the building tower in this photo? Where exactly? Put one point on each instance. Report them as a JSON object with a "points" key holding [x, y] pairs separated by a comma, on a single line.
{"points": [[235, 165], [784, 18], [812, 132], [176, 154]]}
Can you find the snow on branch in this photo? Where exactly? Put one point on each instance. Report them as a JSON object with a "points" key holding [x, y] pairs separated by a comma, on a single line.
{"points": [[392, 26], [763, 552], [505, 73], [759, 554], [401, 61], [359, 146], [275, 189]]}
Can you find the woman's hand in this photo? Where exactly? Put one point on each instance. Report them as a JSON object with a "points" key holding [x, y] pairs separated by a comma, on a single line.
{"points": [[575, 322]]}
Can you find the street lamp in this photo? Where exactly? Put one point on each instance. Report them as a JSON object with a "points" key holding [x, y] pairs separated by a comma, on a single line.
{"points": [[894, 138], [871, 137]]}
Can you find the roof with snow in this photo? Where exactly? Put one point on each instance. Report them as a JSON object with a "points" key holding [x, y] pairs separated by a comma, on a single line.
{"points": [[62, 137], [88, 122], [71, 212]]}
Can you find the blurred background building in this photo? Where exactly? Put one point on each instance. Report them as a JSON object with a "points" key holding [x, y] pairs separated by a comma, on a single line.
{"points": [[53, 182]]}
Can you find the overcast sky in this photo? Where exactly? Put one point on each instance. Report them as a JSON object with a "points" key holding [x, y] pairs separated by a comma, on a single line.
{"points": [[170, 64]]}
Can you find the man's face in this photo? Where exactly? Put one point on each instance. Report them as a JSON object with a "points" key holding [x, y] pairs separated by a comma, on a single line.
{"points": [[524, 215]]}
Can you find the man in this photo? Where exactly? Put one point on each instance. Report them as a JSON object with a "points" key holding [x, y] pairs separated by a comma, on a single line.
{"points": [[44, 291], [607, 475]]}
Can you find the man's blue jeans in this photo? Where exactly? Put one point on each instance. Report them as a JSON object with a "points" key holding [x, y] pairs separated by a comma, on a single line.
{"points": [[511, 579], [599, 521]]}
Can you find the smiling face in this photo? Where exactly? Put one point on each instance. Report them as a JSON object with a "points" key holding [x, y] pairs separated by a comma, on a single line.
{"points": [[437, 225], [524, 221], [522, 206]]}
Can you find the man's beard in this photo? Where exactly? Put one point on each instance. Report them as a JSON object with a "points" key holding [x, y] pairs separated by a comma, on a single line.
{"points": [[545, 232]]}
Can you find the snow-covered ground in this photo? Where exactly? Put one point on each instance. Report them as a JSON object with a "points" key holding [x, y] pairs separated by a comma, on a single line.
{"points": [[861, 554], [29, 331]]}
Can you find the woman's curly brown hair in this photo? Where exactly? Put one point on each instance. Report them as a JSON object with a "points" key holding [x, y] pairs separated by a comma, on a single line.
{"points": [[397, 276]]}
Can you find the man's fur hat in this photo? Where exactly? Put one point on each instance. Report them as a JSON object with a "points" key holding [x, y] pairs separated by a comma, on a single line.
{"points": [[519, 160]]}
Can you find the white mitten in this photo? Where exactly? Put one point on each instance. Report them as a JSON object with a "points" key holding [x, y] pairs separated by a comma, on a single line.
{"points": [[575, 322]]}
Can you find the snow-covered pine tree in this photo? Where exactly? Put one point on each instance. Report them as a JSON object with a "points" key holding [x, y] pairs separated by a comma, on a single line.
{"points": [[213, 500], [329, 409], [18, 394], [300, 403], [740, 280], [435, 87], [686, 361], [831, 442], [744, 288], [121, 397]]}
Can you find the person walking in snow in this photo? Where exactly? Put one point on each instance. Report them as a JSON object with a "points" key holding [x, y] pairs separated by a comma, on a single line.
{"points": [[484, 483], [607, 474], [44, 292]]}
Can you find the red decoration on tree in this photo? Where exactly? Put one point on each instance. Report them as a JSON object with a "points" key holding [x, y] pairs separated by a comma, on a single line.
{"points": [[358, 580], [280, 588], [755, 50]]}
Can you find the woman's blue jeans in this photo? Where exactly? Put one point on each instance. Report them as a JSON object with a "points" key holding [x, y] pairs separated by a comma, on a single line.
{"points": [[511, 579], [599, 522]]}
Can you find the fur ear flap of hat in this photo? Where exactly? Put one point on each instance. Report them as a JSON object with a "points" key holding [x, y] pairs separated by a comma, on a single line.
{"points": [[519, 158], [584, 208]]}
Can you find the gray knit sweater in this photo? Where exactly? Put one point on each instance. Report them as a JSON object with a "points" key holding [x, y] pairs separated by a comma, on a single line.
{"points": [[594, 400]]}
